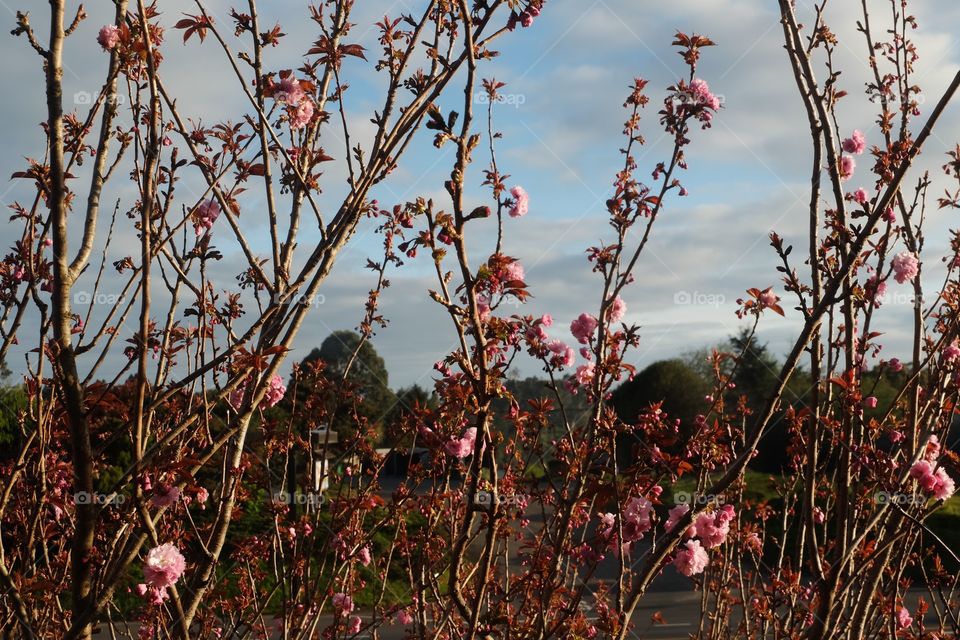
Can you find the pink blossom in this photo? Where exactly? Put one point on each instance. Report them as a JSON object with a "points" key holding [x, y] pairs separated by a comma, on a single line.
{"points": [[235, 400], [275, 392], [521, 202], [302, 115], [403, 617], [202, 495], [889, 215], [156, 596], [462, 447], [354, 625], [564, 356], [585, 373], [753, 542], [546, 320], [906, 266], [692, 559], [513, 271], [945, 486], [701, 92], [876, 290], [895, 365], [870, 402], [951, 352], [860, 196], [166, 496], [583, 327], [616, 310], [636, 518], [364, 556], [921, 470], [483, 309], [675, 515], [768, 298], [713, 528], [342, 602], [856, 143], [109, 36], [847, 166], [932, 480], [163, 567], [608, 521], [289, 91], [904, 619], [205, 215]]}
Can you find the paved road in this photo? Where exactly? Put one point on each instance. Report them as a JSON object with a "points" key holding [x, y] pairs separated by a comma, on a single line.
{"points": [[678, 610]]}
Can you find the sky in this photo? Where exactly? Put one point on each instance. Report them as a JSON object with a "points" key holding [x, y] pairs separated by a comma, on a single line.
{"points": [[567, 77]]}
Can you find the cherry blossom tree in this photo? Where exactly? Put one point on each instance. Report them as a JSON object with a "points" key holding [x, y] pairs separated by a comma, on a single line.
{"points": [[199, 494]]}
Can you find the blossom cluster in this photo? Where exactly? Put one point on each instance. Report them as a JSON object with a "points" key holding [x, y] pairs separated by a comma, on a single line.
{"points": [[162, 568], [932, 477], [524, 18], [856, 144], [289, 91], [709, 530]]}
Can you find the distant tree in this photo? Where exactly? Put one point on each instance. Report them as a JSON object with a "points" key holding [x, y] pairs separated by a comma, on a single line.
{"points": [[13, 400], [408, 397], [756, 375], [678, 388], [524, 390], [410, 401], [366, 374], [756, 380], [699, 360]]}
